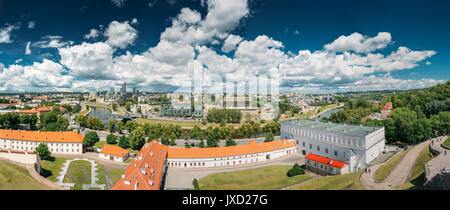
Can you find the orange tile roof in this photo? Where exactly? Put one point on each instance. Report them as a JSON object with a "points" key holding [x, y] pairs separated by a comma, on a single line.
{"points": [[114, 150], [325, 160], [250, 148], [146, 170], [31, 111], [42, 136]]}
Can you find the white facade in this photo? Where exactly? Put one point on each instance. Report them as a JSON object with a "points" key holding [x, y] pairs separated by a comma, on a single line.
{"points": [[30, 146], [229, 160], [113, 157], [337, 141], [325, 169]]}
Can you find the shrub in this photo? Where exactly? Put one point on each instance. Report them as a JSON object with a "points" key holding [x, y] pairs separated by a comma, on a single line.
{"points": [[195, 183], [295, 170], [111, 139]]}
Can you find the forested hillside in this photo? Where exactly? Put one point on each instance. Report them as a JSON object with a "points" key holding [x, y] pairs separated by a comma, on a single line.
{"points": [[417, 114]]}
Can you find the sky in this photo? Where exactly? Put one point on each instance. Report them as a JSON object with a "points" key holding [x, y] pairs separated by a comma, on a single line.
{"points": [[156, 45]]}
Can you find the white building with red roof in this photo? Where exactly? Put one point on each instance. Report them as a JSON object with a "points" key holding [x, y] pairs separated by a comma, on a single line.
{"points": [[58, 142], [250, 153], [114, 153]]}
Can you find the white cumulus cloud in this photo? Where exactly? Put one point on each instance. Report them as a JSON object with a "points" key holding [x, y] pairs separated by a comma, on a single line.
{"points": [[120, 35]]}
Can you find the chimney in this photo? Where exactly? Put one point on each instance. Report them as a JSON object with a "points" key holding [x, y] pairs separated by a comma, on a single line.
{"points": [[123, 176], [136, 185], [150, 182]]}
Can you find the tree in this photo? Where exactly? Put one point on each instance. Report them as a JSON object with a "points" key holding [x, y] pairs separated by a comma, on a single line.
{"points": [[91, 138], [111, 139], [82, 120], [137, 138], [123, 142], [202, 144], [269, 137], [52, 121], [131, 126], [212, 136], [164, 140], [111, 126], [230, 142], [120, 127], [43, 152], [295, 170], [95, 123], [195, 183]]}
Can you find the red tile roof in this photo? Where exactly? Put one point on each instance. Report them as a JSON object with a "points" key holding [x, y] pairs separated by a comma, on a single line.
{"points": [[146, 170], [250, 148], [114, 150], [325, 160]]}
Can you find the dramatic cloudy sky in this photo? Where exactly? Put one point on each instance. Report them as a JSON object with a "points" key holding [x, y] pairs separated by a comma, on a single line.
{"points": [[315, 46]]}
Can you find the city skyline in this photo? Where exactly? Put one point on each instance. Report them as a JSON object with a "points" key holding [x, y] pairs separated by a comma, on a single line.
{"points": [[156, 45]]}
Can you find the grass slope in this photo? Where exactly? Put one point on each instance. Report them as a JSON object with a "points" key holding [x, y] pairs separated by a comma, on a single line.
{"points": [[13, 177], [264, 178], [447, 143], [51, 169], [384, 170], [115, 174], [338, 182], [417, 178]]}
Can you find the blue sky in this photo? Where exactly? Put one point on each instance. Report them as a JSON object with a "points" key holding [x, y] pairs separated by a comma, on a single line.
{"points": [[316, 46]]}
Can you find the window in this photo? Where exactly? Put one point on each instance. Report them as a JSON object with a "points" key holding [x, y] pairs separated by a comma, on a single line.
{"points": [[326, 150], [303, 144], [335, 153], [318, 148], [310, 146]]}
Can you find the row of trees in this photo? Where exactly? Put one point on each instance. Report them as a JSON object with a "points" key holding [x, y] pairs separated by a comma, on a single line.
{"points": [[89, 122], [224, 116], [51, 121], [167, 134], [418, 115]]}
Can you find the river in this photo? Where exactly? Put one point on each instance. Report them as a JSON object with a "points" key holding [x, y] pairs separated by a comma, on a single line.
{"points": [[98, 111], [328, 113]]}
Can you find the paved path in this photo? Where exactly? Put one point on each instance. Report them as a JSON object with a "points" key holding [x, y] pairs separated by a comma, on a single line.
{"points": [[94, 156], [368, 180], [440, 162], [108, 177], [180, 178], [399, 175], [402, 171]]}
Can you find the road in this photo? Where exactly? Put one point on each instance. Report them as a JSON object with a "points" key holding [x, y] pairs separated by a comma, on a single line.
{"points": [[399, 175]]}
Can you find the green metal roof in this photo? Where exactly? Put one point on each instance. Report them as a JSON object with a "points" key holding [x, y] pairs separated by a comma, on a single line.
{"points": [[355, 130]]}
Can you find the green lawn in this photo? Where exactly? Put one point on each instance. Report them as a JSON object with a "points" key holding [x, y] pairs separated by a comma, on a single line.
{"points": [[101, 176], [101, 143], [384, 170], [168, 122], [13, 177], [264, 178], [80, 172], [417, 178], [447, 143], [338, 182], [115, 174], [51, 169]]}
